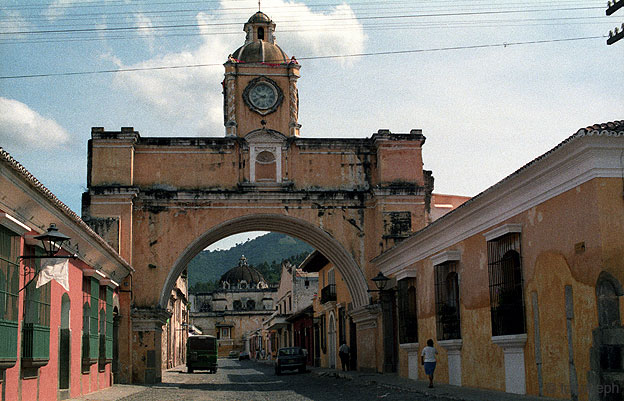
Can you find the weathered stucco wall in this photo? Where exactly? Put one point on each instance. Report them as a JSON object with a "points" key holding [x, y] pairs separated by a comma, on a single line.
{"points": [[565, 241]]}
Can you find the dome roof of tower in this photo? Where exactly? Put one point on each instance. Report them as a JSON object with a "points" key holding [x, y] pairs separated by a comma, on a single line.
{"points": [[260, 52], [259, 17], [242, 272]]}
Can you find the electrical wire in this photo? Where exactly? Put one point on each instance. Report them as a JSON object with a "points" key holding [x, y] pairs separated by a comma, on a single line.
{"points": [[483, 46]]}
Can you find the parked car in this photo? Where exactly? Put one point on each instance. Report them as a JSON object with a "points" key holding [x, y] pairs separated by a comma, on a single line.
{"points": [[243, 355], [290, 358], [233, 354]]}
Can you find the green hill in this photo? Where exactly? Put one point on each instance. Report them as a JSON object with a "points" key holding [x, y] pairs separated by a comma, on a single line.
{"points": [[265, 253]]}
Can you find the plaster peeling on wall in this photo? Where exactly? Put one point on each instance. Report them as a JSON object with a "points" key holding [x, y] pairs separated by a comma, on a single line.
{"points": [[531, 215], [482, 260]]}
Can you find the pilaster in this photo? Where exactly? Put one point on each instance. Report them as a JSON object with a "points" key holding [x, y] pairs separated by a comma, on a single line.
{"points": [[366, 323], [147, 344], [513, 349], [453, 352]]}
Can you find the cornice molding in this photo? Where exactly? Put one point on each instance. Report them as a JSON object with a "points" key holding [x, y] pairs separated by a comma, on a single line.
{"points": [[572, 163], [446, 256], [13, 224], [502, 230]]}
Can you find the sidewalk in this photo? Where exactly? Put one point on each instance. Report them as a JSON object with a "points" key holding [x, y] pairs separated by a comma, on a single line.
{"points": [[390, 381]]}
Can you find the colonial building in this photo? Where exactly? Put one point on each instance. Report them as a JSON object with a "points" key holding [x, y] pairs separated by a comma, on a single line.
{"points": [[166, 199], [296, 290], [521, 286], [57, 338], [176, 331], [243, 301], [332, 323]]}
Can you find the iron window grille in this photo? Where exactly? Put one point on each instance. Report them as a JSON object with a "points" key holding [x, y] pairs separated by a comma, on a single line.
{"points": [[36, 329], [9, 288], [506, 285], [447, 301], [328, 293], [408, 317]]}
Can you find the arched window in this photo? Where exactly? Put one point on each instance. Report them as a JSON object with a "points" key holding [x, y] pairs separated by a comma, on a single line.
{"points": [[447, 301], [261, 33], [265, 167], [506, 294], [251, 304], [408, 318], [238, 305], [608, 301]]}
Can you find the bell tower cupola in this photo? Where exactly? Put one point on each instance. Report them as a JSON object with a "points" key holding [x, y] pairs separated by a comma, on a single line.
{"points": [[260, 85]]}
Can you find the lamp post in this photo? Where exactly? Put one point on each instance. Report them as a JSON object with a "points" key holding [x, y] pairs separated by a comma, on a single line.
{"points": [[52, 242], [386, 301], [380, 282]]}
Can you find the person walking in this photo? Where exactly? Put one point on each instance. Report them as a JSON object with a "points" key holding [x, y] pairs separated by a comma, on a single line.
{"points": [[343, 352], [428, 359]]}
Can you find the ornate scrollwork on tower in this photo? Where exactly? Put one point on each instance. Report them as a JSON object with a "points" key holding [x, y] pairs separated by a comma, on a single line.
{"points": [[230, 106], [294, 101]]}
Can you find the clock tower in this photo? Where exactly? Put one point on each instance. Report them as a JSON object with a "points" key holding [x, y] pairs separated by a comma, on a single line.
{"points": [[260, 85]]}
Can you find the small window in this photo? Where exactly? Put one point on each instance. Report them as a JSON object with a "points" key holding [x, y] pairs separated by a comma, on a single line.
{"points": [[265, 166], [261, 33]]}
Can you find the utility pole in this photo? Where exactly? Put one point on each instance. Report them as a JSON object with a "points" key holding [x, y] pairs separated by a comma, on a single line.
{"points": [[616, 34]]}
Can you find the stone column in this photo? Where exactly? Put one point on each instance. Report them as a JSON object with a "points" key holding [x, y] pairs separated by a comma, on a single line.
{"points": [[147, 326], [365, 319], [453, 352], [513, 348]]}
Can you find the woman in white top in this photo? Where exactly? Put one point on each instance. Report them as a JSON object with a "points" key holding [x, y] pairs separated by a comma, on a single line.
{"points": [[428, 358]]}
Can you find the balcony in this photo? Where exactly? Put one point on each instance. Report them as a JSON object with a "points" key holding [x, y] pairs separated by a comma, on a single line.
{"points": [[328, 293]]}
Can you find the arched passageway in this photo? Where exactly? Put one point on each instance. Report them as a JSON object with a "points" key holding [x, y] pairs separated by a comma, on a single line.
{"points": [[316, 237]]}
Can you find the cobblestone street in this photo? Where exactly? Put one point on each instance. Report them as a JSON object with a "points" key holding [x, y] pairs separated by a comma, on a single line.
{"points": [[247, 380], [251, 380]]}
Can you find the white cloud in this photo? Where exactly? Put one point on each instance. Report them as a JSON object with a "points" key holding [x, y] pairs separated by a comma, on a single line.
{"points": [[146, 28], [22, 126], [13, 21], [57, 8], [194, 93]]}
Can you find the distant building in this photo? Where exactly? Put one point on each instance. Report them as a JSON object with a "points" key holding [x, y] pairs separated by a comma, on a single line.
{"points": [[296, 290], [240, 305]]}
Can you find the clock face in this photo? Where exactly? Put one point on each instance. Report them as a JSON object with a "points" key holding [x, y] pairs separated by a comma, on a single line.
{"points": [[263, 96]]}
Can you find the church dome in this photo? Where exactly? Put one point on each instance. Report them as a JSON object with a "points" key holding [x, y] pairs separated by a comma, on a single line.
{"points": [[260, 52], [242, 276], [259, 17]]}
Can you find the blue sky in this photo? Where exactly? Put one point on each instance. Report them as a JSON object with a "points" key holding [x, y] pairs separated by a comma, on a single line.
{"points": [[486, 103]]}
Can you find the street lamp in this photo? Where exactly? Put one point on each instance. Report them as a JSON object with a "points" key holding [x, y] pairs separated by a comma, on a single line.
{"points": [[380, 282], [52, 242]]}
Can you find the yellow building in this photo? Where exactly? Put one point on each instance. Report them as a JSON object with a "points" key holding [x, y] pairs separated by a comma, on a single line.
{"points": [[332, 324], [521, 286]]}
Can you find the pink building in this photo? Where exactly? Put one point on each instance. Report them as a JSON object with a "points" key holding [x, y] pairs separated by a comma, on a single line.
{"points": [[57, 339]]}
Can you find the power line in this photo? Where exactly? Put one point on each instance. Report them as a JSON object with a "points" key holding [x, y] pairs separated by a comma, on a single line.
{"points": [[449, 25], [177, 26], [483, 46]]}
